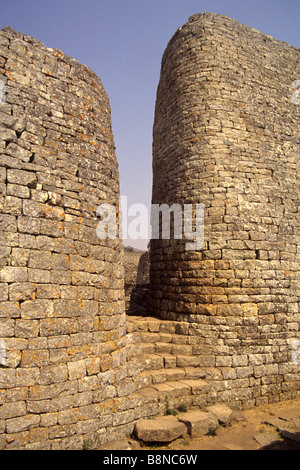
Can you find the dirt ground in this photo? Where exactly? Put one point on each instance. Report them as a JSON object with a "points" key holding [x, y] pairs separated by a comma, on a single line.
{"points": [[263, 428]]}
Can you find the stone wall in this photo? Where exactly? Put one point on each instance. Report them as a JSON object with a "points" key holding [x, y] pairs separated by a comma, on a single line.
{"points": [[226, 134], [62, 316], [136, 267], [139, 295], [131, 265], [73, 372]]}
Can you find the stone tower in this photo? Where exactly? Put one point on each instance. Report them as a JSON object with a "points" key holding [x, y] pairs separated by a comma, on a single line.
{"points": [[62, 320], [226, 135]]}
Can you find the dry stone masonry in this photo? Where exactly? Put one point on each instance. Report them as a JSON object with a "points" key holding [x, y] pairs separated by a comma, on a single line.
{"points": [[62, 320], [226, 135], [224, 327]]}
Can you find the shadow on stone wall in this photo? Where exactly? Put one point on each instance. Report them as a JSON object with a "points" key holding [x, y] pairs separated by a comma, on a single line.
{"points": [[137, 267]]}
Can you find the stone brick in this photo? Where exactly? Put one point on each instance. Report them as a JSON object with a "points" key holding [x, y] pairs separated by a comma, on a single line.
{"points": [[36, 309], [199, 423], [21, 177], [53, 374], [3, 292], [35, 358], [15, 425], [8, 223], [13, 274], [26, 328], [29, 224], [12, 410], [165, 429], [76, 369], [7, 328]]}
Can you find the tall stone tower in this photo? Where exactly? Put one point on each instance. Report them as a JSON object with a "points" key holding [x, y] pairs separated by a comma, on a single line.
{"points": [[62, 320], [226, 135]]}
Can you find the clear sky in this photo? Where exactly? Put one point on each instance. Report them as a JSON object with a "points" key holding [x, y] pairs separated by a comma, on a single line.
{"points": [[122, 41]]}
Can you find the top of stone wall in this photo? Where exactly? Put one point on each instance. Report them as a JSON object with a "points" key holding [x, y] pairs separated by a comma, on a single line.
{"points": [[80, 68], [203, 19]]}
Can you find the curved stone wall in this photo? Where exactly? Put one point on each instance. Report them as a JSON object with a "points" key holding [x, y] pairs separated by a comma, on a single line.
{"points": [[226, 135], [73, 374], [62, 320]]}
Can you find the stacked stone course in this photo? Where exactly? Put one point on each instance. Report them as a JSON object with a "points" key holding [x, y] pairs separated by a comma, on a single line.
{"points": [[226, 134]]}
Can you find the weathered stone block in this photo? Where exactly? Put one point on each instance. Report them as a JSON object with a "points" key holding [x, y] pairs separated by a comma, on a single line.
{"points": [[76, 369], [13, 274], [165, 429], [222, 412], [23, 423], [199, 423]]}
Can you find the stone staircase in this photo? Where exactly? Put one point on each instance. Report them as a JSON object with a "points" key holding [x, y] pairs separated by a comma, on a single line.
{"points": [[168, 371]]}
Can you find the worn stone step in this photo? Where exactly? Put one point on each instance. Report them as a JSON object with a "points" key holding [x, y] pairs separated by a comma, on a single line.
{"points": [[165, 375], [144, 325], [153, 362], [161, 337], [195, 422], [151, 324], [150, 337], [167, 348], [164, 359], [169, 360], [194, 373], [182, 387], [172, 395], [199, 423], [145, 348], [174, 349], [187, 361], [163, 429], [159, 368]]}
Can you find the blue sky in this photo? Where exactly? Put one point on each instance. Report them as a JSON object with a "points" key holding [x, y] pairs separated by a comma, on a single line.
{"points": [[122, 41]]}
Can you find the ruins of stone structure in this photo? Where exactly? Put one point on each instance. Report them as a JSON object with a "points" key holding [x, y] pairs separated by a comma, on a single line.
{"points": [[226, 134], [62, 289], [74, 371]]}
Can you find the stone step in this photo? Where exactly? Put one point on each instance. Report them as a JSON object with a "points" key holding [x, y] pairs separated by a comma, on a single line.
{"points": [[162, 367], [172, 388], [165, 337], [170, 395], [169, 348], [163, 429], [165, 360], [161, 337], [170, 363], [196, 423], [151, 324]]}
